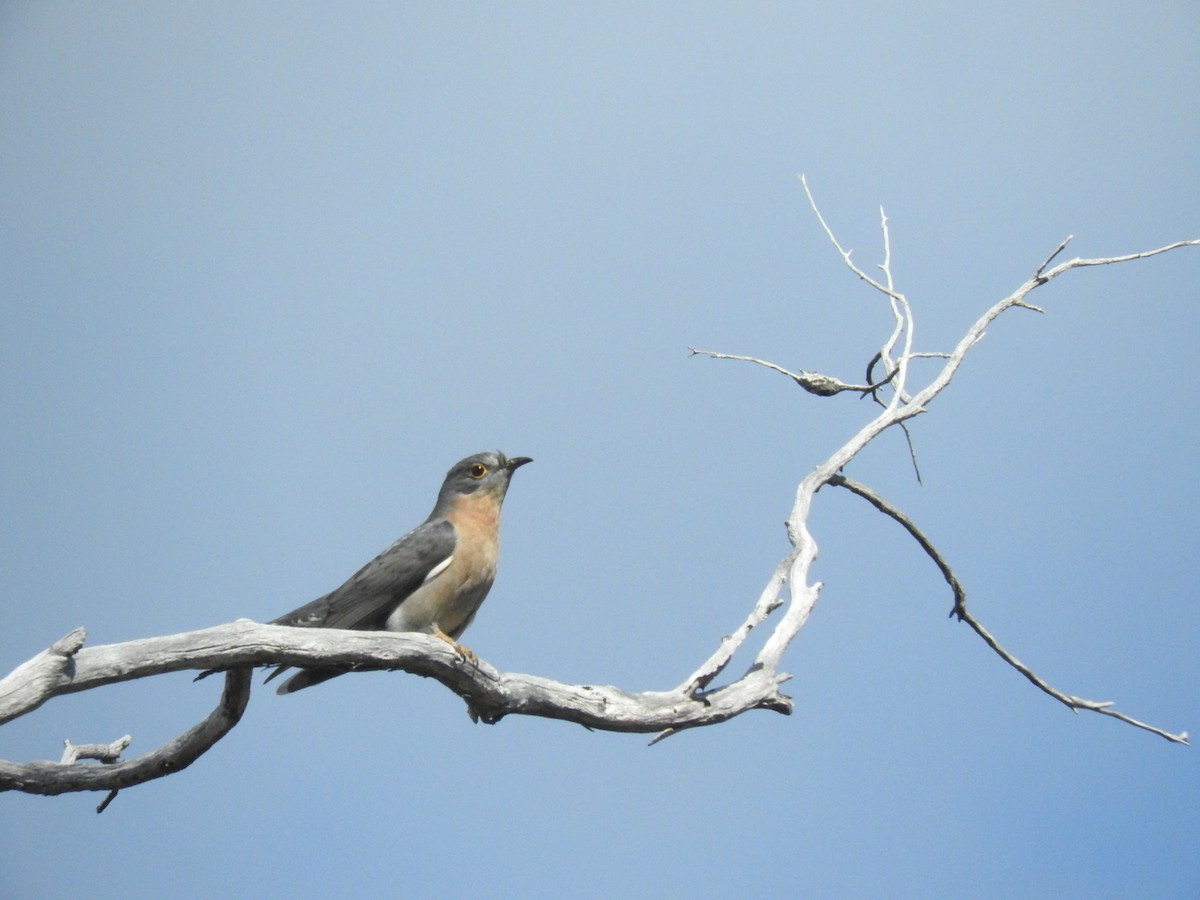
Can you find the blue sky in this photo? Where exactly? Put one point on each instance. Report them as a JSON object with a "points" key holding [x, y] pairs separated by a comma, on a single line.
{"points": [[270, 269]]}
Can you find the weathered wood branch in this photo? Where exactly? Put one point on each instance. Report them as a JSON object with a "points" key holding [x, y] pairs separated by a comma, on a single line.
{"points": [[960, 611], [905, 403], [44, 777], [236, 649]]}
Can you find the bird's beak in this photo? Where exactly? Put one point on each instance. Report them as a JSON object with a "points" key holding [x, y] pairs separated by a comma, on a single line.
{"points": [[516, 462]]}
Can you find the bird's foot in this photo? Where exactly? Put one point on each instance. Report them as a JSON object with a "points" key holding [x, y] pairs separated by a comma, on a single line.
{"points": [[464, 653]]}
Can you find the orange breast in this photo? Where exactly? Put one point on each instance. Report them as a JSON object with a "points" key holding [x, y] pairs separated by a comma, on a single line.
{"points": [[449, 602]]}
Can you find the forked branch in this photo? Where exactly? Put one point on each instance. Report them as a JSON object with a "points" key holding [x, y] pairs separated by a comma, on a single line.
{"points": [[68, 667], [904, 403], [961, 612]]}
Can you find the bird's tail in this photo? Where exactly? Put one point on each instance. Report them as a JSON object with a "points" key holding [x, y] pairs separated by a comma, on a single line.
{"points": [[304, 678]]}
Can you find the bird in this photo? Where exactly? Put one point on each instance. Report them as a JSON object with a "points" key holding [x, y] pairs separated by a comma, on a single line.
{"points": [[432, 580]]}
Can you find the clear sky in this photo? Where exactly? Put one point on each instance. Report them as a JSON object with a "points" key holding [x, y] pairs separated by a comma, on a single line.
{"points": [[268, 270]]}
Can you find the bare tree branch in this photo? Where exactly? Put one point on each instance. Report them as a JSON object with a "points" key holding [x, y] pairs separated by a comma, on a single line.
{"points": [[106, 753], [237, 648], [69, 667], [30, 684], [794, 568], [960, 611], [813, 382], [1049, 259], [63, 777]]}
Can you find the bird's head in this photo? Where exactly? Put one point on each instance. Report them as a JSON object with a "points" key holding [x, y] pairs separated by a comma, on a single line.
{"points": [[488, 472]]}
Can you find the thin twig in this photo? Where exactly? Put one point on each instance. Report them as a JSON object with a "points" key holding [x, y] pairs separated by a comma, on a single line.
{"points": [[1050, 258], [845, 254], [813, 382], [1110, 260], [960, 610]]}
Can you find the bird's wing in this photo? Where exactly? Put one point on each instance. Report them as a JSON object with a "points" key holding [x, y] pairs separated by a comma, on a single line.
{"points": [[374, 591]]}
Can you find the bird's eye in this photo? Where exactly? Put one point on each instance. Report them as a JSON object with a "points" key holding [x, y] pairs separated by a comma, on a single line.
{"points": [[478, 470]]}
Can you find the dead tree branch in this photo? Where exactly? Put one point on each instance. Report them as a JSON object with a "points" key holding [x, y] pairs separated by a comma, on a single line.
{"points": [[903, 405], [69, 667], [960, 611], [237, 648]]}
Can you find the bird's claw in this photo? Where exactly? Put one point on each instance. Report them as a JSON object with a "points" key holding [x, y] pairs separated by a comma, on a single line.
{"points": [[466, 654]]}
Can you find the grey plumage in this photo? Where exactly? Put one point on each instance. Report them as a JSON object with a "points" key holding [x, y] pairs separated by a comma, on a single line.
{"points": [[433, 579], [371, 594]]}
